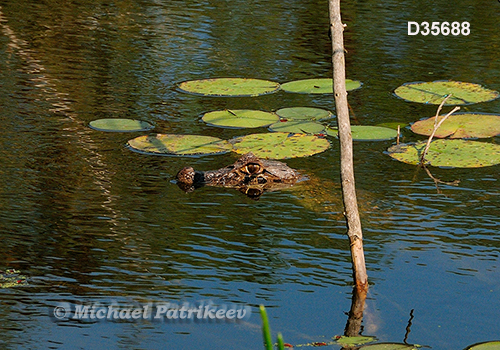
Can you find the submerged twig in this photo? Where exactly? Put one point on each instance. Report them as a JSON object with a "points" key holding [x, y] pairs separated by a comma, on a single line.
{"points": [[436, 127], [399, 131], [438, 181], [408, 327]]}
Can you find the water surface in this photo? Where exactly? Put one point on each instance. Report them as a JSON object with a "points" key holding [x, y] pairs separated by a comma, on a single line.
{"points": [[90, 221]]}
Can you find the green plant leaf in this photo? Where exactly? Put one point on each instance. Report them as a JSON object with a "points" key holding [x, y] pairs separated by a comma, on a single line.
{"points": [[120, 125], [317, 86], [393, 125], [461, 125], [389, 346], [449, 153], [436, 91], [280, 145], [353, 341], [229, 87], [266, 330], [367, 133], [491, 345], [179, 144], [240, 118], [298, 126], [303, 113]]}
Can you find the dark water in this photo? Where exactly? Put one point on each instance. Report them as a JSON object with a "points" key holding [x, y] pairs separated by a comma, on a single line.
{"points": [[91, 222]]}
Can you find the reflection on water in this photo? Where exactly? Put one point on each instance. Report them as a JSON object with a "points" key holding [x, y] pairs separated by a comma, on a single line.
{"points": [[90, 221]]}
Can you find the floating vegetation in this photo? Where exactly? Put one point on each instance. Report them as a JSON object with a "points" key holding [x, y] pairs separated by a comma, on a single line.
{"points": [[367, 133], [229, 87], [240, 118], [179, 144], [449, 153], [298, 126], [390, 346], [435, 92], [303, 113], [120, 125], [462, 125], [491, 345], [346, 341], [317, 86], [12, 278], [280, 145], [393, 125]]}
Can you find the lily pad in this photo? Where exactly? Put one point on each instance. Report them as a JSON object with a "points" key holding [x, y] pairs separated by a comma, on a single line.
{"points": [[353, 341], [462, 125], [436, 91], [303, 113], [317, 86], [229, 87], [449, 153], [491, 345], [12, 278], [393, 125], [280, 145], [390, 346], [120, 125], [298, 126], [179, 144], [367, 133], [240, 118]]}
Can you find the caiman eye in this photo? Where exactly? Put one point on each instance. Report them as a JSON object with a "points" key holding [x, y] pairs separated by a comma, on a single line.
{"points": [[253, 168]]}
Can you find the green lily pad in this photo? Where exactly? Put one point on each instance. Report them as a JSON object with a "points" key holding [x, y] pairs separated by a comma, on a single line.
{"points": [[229, 87], [280, 145], [367, 133], [120, 125], [353, 341], [390, 346], [317, 86], [436, 91], [179, 144], [393, 125], [240, 118], [303, 113], [298, 126], [449, 153], [491, 345], [462, 125]]}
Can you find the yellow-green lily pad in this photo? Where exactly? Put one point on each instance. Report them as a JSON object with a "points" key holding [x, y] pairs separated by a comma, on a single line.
{"points": [[240, 118], [120, 125], [390, 346], [353, 341], [367, 133], [317, 86], [303, 113], [436, 91], [449, 153], [298, 126], [12, 278], [179, 144], [490, 345], [461, 125], [280, 145], [229, 87]]}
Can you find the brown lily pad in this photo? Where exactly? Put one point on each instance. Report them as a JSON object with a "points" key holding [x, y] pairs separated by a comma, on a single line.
{"points": [[461, 125]]}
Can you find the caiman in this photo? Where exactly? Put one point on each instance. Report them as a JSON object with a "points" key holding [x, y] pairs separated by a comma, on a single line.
{"points": [[249, 174]]}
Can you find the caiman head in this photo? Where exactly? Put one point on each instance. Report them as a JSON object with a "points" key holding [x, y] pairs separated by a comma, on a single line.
{"points": [[250, 174]]}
